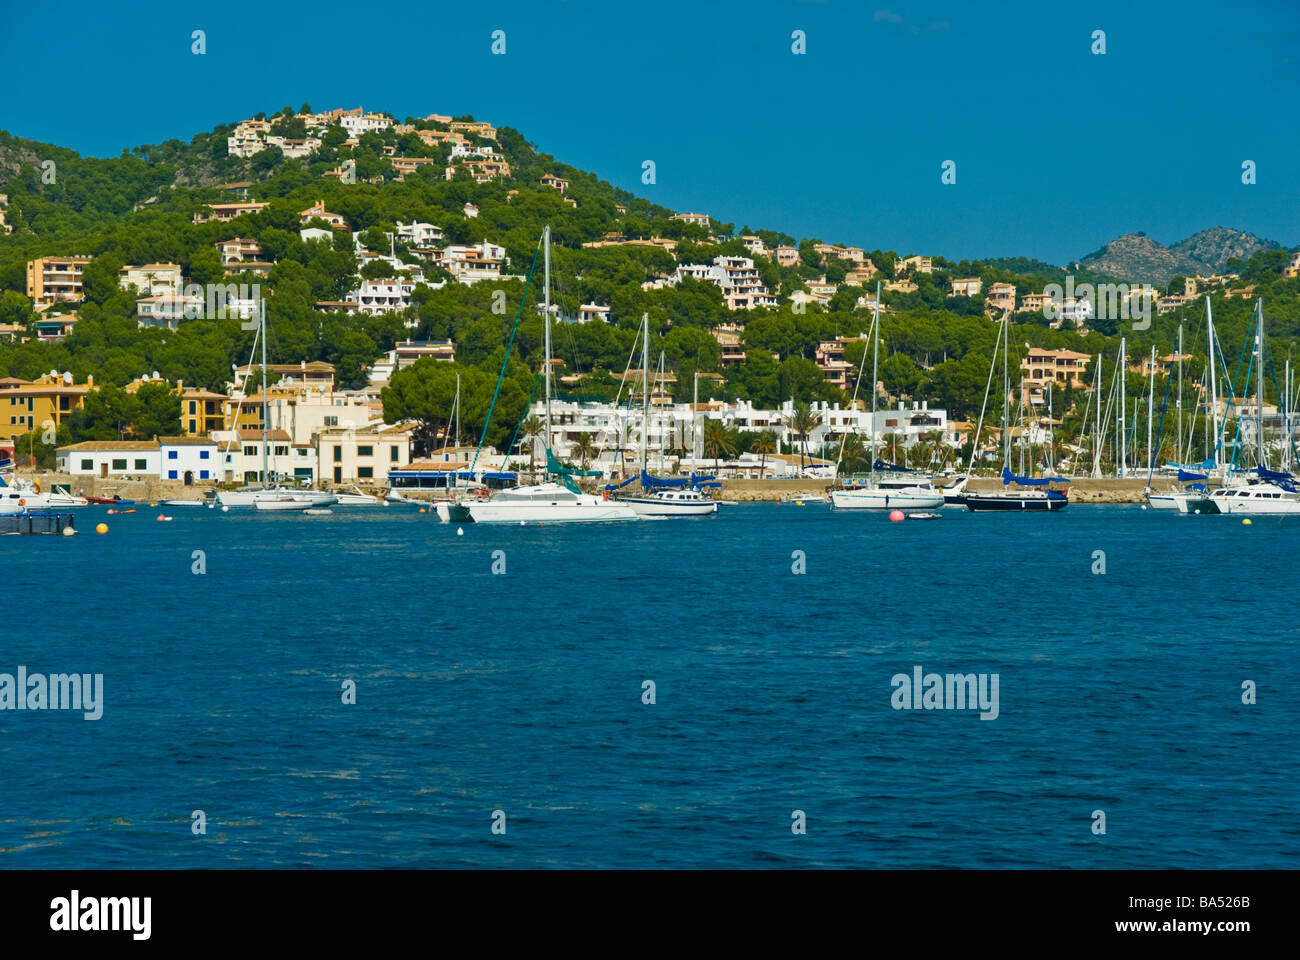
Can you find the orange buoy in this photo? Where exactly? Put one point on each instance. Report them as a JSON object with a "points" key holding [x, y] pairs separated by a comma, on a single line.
{"points": [[895, 516], [102, 528]]}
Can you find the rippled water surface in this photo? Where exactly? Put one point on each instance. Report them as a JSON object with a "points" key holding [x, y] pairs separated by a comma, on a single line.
{"points": [[1120, 692]]}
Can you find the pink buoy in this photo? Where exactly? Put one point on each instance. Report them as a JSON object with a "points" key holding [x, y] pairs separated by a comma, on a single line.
{"points": [[895, 516]]}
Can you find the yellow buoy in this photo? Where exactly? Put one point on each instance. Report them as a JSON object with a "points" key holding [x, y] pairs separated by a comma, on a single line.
{"points": [[102, 528], [1246, 521], [422, 509]]}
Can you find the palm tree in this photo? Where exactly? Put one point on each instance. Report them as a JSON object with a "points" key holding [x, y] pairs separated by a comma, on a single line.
{"points": [[934, 445], [895, 448], [853, 453], [717, 441], [584, 449], [802, 422], [532, 429], [764, 444]]}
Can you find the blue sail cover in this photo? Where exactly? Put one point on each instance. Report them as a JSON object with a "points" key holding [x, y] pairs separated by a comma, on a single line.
{"points": [[1185, 475], [649, 483], [1008, 478]]}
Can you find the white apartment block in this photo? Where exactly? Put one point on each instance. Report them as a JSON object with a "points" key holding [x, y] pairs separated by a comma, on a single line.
{"points": [[359, 123], [376, 297], [418, 234], [151, 278], [740, 281]]}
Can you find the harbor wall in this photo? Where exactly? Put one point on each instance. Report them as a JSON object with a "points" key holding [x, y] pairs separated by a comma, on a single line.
{"points": [[1087, 490]]}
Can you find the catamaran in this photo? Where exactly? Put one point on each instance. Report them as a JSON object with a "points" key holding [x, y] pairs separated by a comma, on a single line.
{"points": [[896, 491], [551, 501], [1269, 492]]}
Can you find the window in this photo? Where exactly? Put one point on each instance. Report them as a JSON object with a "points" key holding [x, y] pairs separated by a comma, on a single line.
{"points": [[366, 451], [331, 421], [392, 454], [119, 464], [87, 464], [171, 474], [194, 426], [204, 454], [365, 473], [338, 455], [172, 454], [250, 451], [142, 464], [194, 407], [203, 474]]}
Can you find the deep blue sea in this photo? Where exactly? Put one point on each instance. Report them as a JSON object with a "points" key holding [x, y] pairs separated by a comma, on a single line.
{"points": [[522, 692]]}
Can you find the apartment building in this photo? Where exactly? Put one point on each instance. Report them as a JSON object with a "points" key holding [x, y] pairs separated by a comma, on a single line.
{"points": [[554, 182], [1000, 297], [740, 281], [966, 287], [27, 405], [699, 219], [55, 279], [152, 278], [228, 211]]}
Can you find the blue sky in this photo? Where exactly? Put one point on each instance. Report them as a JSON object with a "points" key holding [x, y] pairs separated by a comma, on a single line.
{"points": [[1057, 150]]}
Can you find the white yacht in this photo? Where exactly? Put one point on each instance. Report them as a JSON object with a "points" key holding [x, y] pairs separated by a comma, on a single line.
{"points": [[287, 500], [548, 502], [18, 496], [61, 497], [674, 502], [357, 499], [889, 493], [1256, 499]]}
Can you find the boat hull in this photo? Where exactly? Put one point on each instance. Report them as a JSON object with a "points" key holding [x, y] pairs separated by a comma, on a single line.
{"points": [[652, 507], [1012, 502], [583, 510], [886, 500]]}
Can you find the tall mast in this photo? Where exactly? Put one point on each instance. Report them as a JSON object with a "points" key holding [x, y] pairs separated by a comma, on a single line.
{"points": [[695, 405], [458, 414], [875, 365], [645, 387], [1179, 442], [261, 313], [1123, 399], [1006, 393], [1214, 389], [1151, 401], [1259, 383], [1097, 435], [546, 300]]}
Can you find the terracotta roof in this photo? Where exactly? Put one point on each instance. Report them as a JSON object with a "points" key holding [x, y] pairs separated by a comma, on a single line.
{"points": [[112, 445]]}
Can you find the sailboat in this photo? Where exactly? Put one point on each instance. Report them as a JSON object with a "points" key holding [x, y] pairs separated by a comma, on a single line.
{"points": [[662, 496], [1194, 497], [1035, 496], [893, 491], [248, 496], [552, 501]]}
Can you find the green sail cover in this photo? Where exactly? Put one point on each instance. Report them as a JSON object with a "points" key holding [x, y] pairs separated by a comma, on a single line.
{"points": [[566, 474]]}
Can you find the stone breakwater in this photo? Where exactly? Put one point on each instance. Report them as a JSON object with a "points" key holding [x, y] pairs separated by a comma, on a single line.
{"points": [[1081, 491]]}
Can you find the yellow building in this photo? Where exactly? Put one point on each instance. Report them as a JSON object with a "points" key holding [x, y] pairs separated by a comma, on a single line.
{"points": [[54, 279], [27, 405], [203, 411]]}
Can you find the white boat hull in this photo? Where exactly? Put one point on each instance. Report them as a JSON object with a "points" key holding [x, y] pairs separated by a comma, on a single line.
{"points": [[290, 503], [651, 507], [1274, 503], [872, 499]]}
